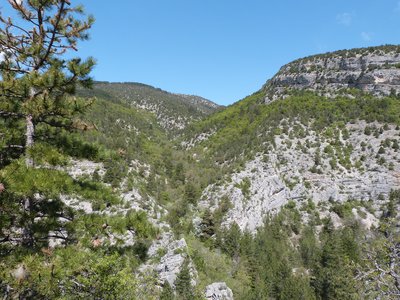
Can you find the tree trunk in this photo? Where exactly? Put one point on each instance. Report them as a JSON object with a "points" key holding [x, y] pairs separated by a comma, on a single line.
{"points": [[27, 234], [30, 133]]}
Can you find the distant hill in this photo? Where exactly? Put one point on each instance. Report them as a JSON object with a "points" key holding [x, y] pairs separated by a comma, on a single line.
{"points": [[173, 111]]}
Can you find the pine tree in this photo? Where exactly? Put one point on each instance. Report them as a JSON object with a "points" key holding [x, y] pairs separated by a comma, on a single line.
{"points": [[183, 283], [37, 84], [190, 193], [380, 272], [167, 292], [37, 81], [179, 173], [334, 278], [231, 243], [207, 225]]}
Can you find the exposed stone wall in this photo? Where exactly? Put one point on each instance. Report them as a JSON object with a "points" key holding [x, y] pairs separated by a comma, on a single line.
{"points": [[289, 174], [376, 71]]}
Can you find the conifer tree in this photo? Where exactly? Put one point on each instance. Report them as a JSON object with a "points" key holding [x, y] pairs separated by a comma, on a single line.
{"points": [[37, 81], [380, 273], [183, 283], [167, 292], [37, 84]]}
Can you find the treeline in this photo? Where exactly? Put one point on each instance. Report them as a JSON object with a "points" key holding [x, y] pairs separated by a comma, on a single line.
{"points": [[290, 259]]}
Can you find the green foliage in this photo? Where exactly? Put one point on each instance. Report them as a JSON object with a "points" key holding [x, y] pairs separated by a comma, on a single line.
{"points": [[45, 154], [296, 288], [74, 273], [207, 226], [277, 265], [380, 269], [342, 209], [173, 106], [334, 278], [284, 259], [74, 145], [183, 283], [291, 205], [167, 292], [224, 206], [37, 80], [231, 240], [309, 249], [129, 133], [138, 222], [116, 170], [252, 123], [244, 186], [394, 200], [179, 173], [176, 214], [191, 193], [40, 190]]}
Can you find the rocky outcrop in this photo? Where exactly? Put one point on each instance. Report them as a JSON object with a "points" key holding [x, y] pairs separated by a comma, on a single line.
{"points": [[218, 291], [292, 172], [167, 257], [375, 70], [171, 263], [78, 168]]}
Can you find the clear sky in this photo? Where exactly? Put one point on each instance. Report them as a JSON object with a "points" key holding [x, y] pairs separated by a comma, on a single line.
{"points": [[225, 50]]}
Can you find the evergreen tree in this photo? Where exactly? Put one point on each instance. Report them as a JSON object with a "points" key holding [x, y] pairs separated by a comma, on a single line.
{"points": [[207, 225], [231, 243], [190, 193], [37, 81], [179, 173], [37, 84], [183, 283], [296, 288], [309, 250], [167, 292], [334, 277], [380, 273]]}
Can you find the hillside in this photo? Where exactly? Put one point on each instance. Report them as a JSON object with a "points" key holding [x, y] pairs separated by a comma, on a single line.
{"points": [[300, 149], [173, 111], [295, 198], [304, 146]]}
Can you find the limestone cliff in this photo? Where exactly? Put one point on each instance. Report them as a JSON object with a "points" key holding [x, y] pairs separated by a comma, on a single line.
{"points": [[375, 70]]}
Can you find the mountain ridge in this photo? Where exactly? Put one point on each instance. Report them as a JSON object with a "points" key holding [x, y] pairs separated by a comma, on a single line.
{"points": [[173, 111], [375, 70], [276, 200]]}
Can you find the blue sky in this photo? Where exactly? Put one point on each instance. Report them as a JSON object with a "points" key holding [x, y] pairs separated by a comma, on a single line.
{"points": [[224, 50]]}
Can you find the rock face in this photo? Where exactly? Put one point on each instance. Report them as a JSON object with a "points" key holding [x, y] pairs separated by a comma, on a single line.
{"points": [[171, 255], [218, 291], [77, 168], [292, 172], [171, 263], [375, 70]]}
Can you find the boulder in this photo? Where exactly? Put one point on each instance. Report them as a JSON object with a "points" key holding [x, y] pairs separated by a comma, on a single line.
{"points": [[218, 291]]}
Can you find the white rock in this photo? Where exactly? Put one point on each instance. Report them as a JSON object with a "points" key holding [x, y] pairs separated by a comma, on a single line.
{"points": [[286, 175], [218, 291], [79, 168], [374, 72]]}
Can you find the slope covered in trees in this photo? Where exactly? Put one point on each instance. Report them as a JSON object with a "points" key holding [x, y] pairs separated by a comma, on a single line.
{"points": [[111, 205], [173, 111]]}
